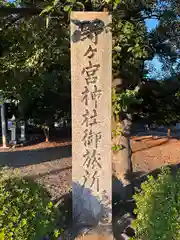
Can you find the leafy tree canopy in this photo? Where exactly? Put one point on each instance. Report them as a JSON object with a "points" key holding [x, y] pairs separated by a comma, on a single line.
{"points": [[35, 50]]}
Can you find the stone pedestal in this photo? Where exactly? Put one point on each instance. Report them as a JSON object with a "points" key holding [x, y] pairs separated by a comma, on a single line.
{"points": [[23, 132], [12, 128], [13, 136]]}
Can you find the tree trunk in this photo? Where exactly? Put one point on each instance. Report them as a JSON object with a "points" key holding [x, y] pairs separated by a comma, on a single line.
{"points": [[121, 160], [122, 165], [3, 126], [169, 133]]}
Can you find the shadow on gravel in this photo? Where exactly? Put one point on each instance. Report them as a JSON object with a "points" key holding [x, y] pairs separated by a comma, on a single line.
{"points": [[29, 157]]}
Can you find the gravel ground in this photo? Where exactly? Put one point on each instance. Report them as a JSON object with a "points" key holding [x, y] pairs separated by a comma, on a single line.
{"points": [[50, 163], [150, 153]]}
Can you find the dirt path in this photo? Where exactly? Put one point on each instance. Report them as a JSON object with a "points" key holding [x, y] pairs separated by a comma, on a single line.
{"points": [[151, 153]]}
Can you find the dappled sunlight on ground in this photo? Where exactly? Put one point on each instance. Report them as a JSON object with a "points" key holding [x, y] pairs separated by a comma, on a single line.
{"points": [[150, 153]]}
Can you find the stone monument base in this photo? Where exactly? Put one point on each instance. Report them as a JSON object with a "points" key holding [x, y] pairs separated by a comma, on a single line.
{"points": [[22, 139], [4, 147], [13, 142]]}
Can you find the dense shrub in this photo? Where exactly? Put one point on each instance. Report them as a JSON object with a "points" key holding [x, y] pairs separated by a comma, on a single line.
{"points": [[26, 212], [158, 208]]}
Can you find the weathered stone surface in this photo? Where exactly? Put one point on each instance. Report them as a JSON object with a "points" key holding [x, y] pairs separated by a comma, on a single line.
{"points": [[91, 68]]}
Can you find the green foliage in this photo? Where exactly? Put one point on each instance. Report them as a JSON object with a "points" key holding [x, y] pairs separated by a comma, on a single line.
{"points": [[26, 211], [34, 64], [122, 102], [117, 147], [177, 95], [158, 208], [35, 69], [116, 132], [164, 38], [71, 4], [115, 103], [160, 103], [76, 4]]}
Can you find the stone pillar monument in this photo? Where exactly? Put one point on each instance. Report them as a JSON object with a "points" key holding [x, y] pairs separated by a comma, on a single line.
{"points": [[91, 69]]}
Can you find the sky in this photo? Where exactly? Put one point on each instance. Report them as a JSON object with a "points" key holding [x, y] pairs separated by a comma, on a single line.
{"points": [[151, 24]]}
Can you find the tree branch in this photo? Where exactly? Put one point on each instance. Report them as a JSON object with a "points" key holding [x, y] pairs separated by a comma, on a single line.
{"points": [[154, 16], [4, 11], [22, 11], [9, 24]]}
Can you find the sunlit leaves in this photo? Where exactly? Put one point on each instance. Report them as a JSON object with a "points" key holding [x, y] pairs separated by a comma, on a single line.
{"points": [[121, 102], [73, 4], [47, 9], [158, 208], [25, 210], [33, 60]]}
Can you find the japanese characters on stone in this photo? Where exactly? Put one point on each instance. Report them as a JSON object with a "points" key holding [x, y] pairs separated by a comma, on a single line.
{"points": [[90, 96], [88, 30]]}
